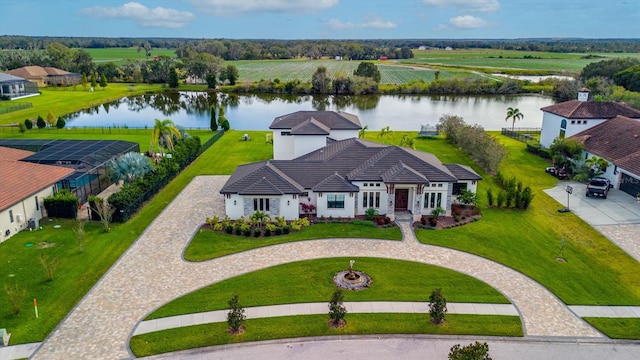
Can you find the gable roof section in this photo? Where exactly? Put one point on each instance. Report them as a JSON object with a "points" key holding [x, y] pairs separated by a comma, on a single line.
{"points": [[7, 153], [8, 78], [463, 172], [21, 179], [333, 120], [335, 183], [403, 174], [575, 109], [250, 177], [616, 140], [336, 166], [310, 126], [28, 72]]}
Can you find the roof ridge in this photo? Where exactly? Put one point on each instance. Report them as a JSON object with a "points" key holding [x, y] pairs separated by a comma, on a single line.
{"points": [[284, 176], [371, 161]]}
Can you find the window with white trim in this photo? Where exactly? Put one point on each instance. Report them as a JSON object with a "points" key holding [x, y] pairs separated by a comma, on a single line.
{"points": [[371, 199], [432, 200], [335, 201]]}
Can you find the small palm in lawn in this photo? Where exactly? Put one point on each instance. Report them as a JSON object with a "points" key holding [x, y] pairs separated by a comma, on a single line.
{"points": [[513, 114], [337, 311], [162, 135], [437, 306], [235, 316], [362, 132]]}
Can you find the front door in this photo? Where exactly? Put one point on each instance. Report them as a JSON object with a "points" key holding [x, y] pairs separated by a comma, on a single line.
{"points": [[402, 199]]}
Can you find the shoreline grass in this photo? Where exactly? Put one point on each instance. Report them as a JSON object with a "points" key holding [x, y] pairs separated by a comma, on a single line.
{"points": [[312, 281], [316, 325], [208, 244]]}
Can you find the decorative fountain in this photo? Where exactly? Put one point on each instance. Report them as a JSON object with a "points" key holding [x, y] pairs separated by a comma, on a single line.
{"points": [[352, 279]]}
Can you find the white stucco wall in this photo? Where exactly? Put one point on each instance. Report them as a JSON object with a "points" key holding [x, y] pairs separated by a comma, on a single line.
{"points": [[551, 127], [22, 212], [371, 187], [289, 207], [612, 173], [234, 207], [283, 146], [347, 211], [343, 134], [304, 144]]}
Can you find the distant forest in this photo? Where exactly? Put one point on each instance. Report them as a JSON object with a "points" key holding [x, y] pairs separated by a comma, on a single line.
{"points": [[259, 49]]}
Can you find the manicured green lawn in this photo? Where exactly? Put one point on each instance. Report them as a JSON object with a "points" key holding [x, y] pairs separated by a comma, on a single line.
{"points": [[316, 325], [617, 328], [62, 101], [312, 281], [208, 244], [596, 271]]}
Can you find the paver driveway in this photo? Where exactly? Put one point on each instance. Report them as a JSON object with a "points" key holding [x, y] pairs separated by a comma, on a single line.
{"points": [[152, 273]]}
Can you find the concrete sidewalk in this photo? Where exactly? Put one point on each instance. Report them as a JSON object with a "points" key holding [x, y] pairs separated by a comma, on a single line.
{"points": [[369, 307]]}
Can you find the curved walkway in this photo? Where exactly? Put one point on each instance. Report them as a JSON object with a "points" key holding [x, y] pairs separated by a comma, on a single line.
{"points": [[152, 273]]}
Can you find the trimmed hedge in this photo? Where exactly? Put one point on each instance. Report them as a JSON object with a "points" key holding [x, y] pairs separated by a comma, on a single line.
{"points": [[63, 204]]}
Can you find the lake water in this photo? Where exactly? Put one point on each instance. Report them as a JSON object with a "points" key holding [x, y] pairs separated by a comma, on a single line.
{"points": [[256, 112]]}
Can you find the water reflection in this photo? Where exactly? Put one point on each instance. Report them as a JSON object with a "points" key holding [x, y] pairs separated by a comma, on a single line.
{"points": [[256, 111]]}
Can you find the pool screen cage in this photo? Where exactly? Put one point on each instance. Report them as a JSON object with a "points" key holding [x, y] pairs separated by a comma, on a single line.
{"points": [[87, 157]]}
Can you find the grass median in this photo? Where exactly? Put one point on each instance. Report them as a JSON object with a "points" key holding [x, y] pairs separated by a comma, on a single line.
{"points": [[312, 281], [208, 244], [316, 325]]}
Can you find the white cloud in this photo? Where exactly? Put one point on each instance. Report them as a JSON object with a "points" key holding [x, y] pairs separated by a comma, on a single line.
{"points": [[371, 23], [233, 7], [466, 22], [156, 17], [465, 5]]}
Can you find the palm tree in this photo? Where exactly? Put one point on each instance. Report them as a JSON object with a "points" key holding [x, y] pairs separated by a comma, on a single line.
{"points": [[362, 132], [129, 167], [514, 114], [385, 132], [162, 135]]}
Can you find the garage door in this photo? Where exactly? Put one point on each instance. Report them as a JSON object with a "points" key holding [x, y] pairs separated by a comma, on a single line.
{"points": [[630, 184]]}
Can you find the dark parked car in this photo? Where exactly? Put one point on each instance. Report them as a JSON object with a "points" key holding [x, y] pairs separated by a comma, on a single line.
{"points": [[560, 173], [598, 186]]}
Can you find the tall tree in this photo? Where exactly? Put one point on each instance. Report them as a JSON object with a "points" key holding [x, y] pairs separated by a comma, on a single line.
{"points": [[232, 74], [320, 81], [213, 123], [513, 114], [173, 78], [94, 82], [368, 69], [103, 81], [162, 135]]}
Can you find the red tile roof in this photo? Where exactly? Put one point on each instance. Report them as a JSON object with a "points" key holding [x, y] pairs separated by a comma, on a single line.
{"points": [[616, 140], [8, 153], [575, 109], [20, 179]]}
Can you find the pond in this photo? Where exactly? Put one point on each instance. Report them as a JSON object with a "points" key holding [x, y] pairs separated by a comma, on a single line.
{"points": [[256, 112]]}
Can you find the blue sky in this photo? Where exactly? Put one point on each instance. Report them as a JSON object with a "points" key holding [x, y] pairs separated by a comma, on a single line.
{"points": [[322, 19]]}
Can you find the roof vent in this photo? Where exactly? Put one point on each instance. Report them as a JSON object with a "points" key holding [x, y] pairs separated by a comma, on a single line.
{"points": [[636, 136]]}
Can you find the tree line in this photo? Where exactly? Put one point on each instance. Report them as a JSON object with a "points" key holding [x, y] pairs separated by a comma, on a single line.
{"points": [[356, 49]]}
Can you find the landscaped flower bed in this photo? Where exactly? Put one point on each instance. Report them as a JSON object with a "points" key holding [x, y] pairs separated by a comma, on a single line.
{"points": [[460, 215]]}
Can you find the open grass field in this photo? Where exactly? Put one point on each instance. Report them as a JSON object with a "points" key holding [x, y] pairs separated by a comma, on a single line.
{"points": [[552, 63], [119, 55], [62, 101], [287, 70], [316, 325], [312, 281]]}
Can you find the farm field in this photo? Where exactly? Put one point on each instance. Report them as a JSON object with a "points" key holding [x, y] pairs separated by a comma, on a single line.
{"points": [[119, 55], [287, 70], [509, 59]]}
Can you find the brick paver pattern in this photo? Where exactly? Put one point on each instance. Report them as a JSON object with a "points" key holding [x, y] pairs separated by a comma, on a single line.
{"points": [[152, 272]]}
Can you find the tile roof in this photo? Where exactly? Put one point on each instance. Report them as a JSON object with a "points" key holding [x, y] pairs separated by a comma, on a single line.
{"points": [[7, 153], [21, 179], [310, 126], [28, 72], [335, 183], [10, 78], [463, 172], [575, 109], [337, 165], [333, 120], [616, 140]]}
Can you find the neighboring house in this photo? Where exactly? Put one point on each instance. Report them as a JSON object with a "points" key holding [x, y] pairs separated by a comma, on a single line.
{"points": [[344, 179], [301, 132], [15, 87], [46, 76], [23, 187], [618, 141], [568, 118]]}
